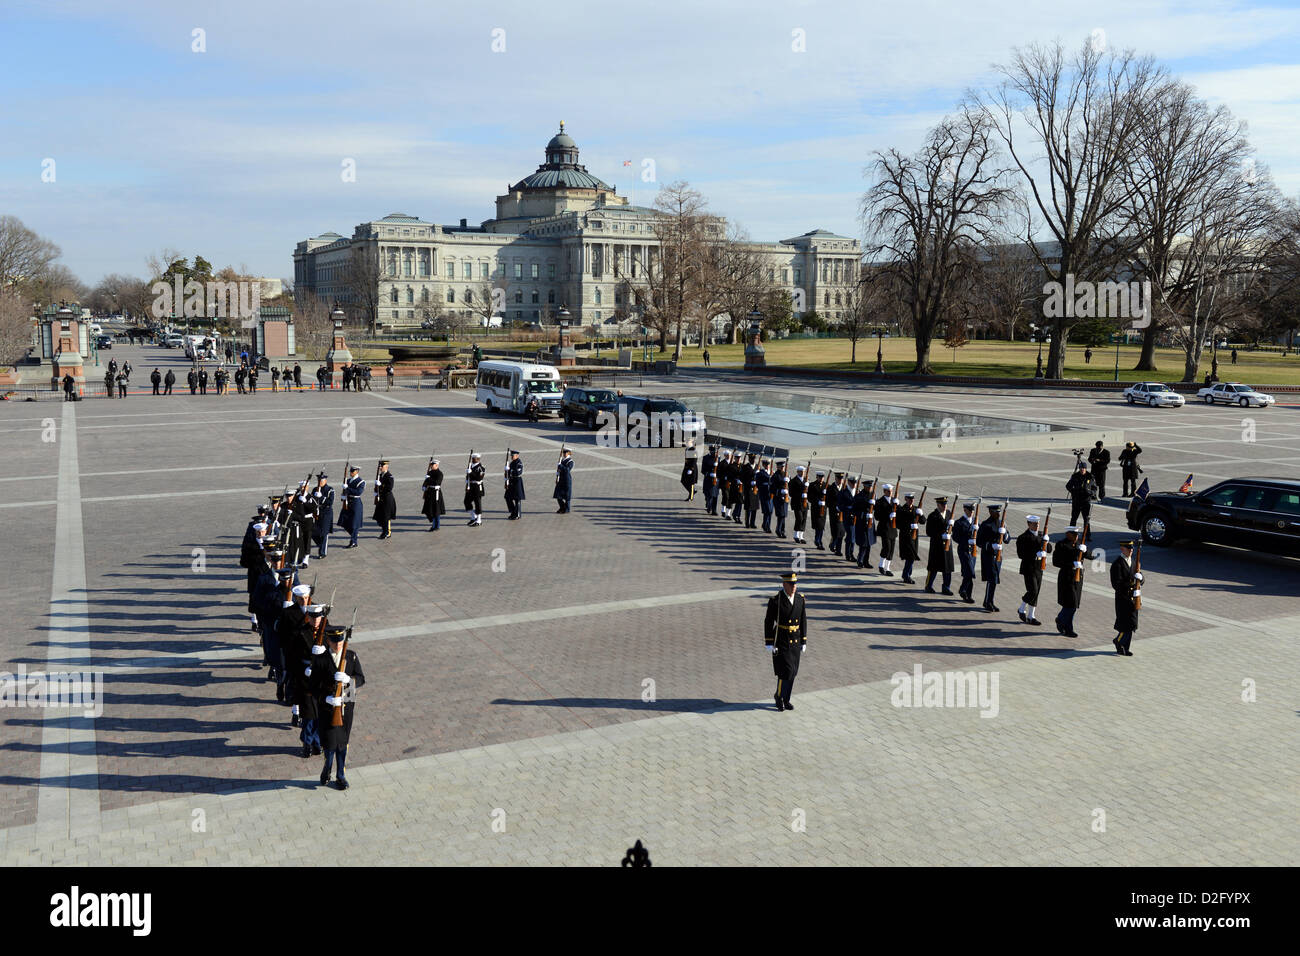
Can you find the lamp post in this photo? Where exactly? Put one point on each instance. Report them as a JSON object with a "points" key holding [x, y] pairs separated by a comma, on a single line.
{"points": [[1117, 341], [1035, 330], [880, 350]]}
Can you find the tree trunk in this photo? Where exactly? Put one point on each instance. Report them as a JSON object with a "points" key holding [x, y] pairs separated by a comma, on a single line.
{"points": [[1192, 359], [1147, 360], [922, 355], [1056, 352], [853, 352]]}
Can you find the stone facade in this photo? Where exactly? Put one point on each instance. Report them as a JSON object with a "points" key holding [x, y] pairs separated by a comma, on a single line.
{"points": [[561, 238]]}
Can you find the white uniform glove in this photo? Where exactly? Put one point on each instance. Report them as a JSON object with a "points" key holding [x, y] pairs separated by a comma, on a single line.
{"points": [[318, 648], [1078, 564], [342, 678], [1046, 538], [1083, 547], [772, 648], [1041, 554], [332, 701], [946, 537], [803, 647], [306, 671], [915, 526], [997, 546], [1137, 592], [1138, 575], [1002, 531]]}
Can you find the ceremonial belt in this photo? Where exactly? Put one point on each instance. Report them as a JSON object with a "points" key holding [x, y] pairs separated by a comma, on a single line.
{"points": [[788, 627]]}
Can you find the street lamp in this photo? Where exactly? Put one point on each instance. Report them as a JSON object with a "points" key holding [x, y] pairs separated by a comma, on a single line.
{"points": [[880, 350], [1117, 341], [1035, 330]]}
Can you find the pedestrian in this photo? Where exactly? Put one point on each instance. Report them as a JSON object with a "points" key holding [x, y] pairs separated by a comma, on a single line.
{"points": [[1234, 356], [1087, 356], [69, 388], [203, 381], [564, 481], [706, 358], [335, 692], [1127, 583], [192, 378], [168, 381], [390, 376], [297, 376], [275, 378], [156, 379], [1099, 460], [347, 378], [240, 374], [434, 508], [252, 379], [1082, 489], [785, 636], [1129, 467], [121, 384], [110, 382]]}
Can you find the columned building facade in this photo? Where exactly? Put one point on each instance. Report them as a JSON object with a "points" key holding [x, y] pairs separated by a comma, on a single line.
{"points": [[561, 238]]}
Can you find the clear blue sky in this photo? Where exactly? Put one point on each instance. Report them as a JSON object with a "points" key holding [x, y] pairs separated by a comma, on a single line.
{"points": [[235, 152]]}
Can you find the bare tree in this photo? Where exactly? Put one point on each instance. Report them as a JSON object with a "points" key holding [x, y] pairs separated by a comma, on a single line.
{"points": [[733, 280], [926, 214], [487, 298], [1084, 114], [313, 322], [676, 274], [24, 256], [361, 285], [55, 284], [15, 326], [1009, 284]]}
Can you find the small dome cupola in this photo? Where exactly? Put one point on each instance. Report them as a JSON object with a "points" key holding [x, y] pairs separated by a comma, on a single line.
{"points": [[561, 150]]}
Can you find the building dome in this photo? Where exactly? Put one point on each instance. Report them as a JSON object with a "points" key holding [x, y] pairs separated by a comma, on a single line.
{"points": [[561, 169], [561, 140]]}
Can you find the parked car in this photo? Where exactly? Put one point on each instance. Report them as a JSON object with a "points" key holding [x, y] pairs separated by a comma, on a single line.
{"points": [[676, 417], [103, 342], [584, 405], [1234, 393], [1154, 394], [1262, 514]]}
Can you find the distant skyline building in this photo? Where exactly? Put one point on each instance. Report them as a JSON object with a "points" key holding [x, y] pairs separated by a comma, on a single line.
{"points": [[561, 238]]}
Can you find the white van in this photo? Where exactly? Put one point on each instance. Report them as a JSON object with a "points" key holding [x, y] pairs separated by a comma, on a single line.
{"points": [[509, 385]]}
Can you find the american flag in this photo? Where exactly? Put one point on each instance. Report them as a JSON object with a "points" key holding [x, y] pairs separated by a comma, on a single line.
{"points": [[1186, 488], [627, 162]]}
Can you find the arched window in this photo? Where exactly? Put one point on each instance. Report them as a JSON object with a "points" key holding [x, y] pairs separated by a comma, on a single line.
{"points": [[410, 296], [451, 295], [393, 295]]}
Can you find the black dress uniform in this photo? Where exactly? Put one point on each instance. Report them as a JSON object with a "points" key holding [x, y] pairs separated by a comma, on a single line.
{"points": [[1081, 488], [817, 508], [749, 492], [785, 633], [334, 740], [763, 492], [156, 379], [308, 519], [886, 522], [1031, 549], [909, 538], [1127, 587], [563, 493], [514, 480], [780, 498], [833, 512], [1068, 560], [192, 379], [709, 476], [474, 476], [1099, 460], [848, 520], [863, 507], [324, 524], [990, 539], [739, 484], [434, 508], [963, 537], [351, 515], [725, 476], [690, 473], [938, 528], [798, 489], [385, 503]]}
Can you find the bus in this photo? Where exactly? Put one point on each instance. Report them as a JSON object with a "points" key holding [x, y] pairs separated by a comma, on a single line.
{"points": [[507, 386]]}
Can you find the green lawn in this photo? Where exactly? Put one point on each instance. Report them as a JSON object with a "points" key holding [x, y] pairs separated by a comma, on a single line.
{"points": [[1004, 360]]}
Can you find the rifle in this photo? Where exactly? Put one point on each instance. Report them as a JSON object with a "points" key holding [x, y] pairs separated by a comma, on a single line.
{"points": [[1078, 572], [319, 637], [1137, 585], [948, 519], [378, 471], [1042, 562], [1002, 528], [337, 720], [920, 510], [893, 514], [505, 475]]}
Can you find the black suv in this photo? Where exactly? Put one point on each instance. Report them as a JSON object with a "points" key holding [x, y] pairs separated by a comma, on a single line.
{"points": [[584, 405], [1262, 514]]}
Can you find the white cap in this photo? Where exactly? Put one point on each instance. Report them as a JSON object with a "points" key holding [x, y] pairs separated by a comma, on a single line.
{"points": [[302, 590], [798, 468], [260, 526], [475, 456], [1031, 519], [888, 486], [1073, 528]]}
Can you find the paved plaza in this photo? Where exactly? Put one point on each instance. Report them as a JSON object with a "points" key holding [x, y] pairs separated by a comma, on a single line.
{"points": [[610, 683]]}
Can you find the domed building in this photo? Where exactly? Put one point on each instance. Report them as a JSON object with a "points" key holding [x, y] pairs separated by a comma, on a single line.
{"points": [[561, 238]]}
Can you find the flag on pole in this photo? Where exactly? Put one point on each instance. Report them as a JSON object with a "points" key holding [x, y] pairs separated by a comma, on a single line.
{"points": [[1144, 489], [1186, 488], [627, 162]]}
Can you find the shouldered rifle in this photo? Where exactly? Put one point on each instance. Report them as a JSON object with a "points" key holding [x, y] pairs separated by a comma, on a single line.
{"points": [[1079, 555], [347, 475], [948, 521], [1002, 528], [919, 511], [337, 720], [1137, 569], [379, 470], [893, 514], [1042, 540]]}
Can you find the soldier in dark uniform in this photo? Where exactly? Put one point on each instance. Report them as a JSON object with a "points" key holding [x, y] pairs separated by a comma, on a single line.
{"points": [[514, 482], [885, 518], [780, 497], [763, 489], [1128, 585], [785, 635], [306, 652], [168, 381], [294, 647], [324, 524], [1082, 488], [739, 485], [110, 383], [863, 507], [749, 479], [1068, 560], [848, 519], [203, 381], [563, 493], [325, 684], [963, 536], [799, 502], [1099, 460], [938, 528], [474, 477], [192, 379], [709, 475], [817, 508], [308, 519], [691, 471], [350, 515], [909, 537], [724, 482], [833, 512], [1129, 467], [989, 539], [252, 560], [156, 379], [1031, 549], [385, 500], [434, 508]]}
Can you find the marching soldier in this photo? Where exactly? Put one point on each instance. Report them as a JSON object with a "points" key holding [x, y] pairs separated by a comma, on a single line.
{"points": [[785, 635], [963, 536], [833, 512], [348, 675], [749, 490], [308, 519], [434, 508], [885, 518], [474, 477], [324, 523], [725, 478], [989, 539], [1068, 560], [1031, 548], [385, 500], [848, 521], [709, 472], [350, 517], [780, 497], [938, 528], [1128, 586], [252, 560], [763, 491], [817, 507], [798, 490], [739, 484], [862, 508], [690, 471], [311, 651], [909, 526], [515, 485], [564, 482]]}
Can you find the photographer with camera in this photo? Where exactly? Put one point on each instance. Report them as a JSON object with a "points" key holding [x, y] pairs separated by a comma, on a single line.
{"points": [[1082, 488]]}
